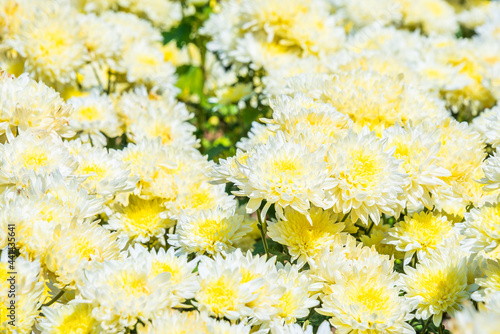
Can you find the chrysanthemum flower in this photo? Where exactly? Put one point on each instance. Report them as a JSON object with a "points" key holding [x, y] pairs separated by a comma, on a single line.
{"points": [[183, 278], [193, 197], [26, 103], [481, 229], [102, 41], [27, 298], [105, 173], [438, 284], [301, 115], [51, 44], [434, 16], [78, 246], [175, 322], [298, 298], [366, 177], [212, 231], [224, 292], [94, 118], [343, 260], [461, 150], [285, 174], [421, 233], [265, 306], [487, 124], [491, 173], [417, 151], [70, 318], [38, 152], [278, 328], [490, 283], [470, 320], [139, 220], [367, 301], [145, 64], [307, 238], [123, 292]]}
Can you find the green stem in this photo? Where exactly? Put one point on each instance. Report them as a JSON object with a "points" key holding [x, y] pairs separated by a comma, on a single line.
{"points": [[441, 328], [424, 327], [53, 300], [97, 77], [369, 228], [263, 230]]}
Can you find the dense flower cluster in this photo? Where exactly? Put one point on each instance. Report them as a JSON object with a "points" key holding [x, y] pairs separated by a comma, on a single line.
{"points": [[362, 203]]}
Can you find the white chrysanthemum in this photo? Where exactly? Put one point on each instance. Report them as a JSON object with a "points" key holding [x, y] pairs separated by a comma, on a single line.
{"points": [[487, 124], [134, 104], [285, 174], [102, 40], [366, 177], [145, 64], [124, 291], [461, 149], [344, 260], [148, 116], [42, 153], [421, 234], [481, 229], [51, 44], [140, 221], [372, 99], [417, 151], [183, 278], [94, 118], [491, 171], [298, 298], [26, 103], [70, 318], [362, 12], [265, 306], [258, 134], [105, 173], [78, 246], [35, 220], [223, 290], [472, 321], [438, 284], [304, 116], [307, 238], [434, 16], [277, 328], [260, 53], [175, 322], [28, 293], [164, 14], [171, 130], [131, 28], [194, 197], [367, 302], [212, 231], [182, 181], [489, 284], [68, 193], [276, 79], [228, 170]]}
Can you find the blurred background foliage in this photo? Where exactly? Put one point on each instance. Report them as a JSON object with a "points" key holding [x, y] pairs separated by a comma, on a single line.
{"points": [[220, 122]]}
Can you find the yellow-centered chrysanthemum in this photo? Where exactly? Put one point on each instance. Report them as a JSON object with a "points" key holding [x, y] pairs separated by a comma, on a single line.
{"points": [[307, 238], [139, 220], [438, 284], [366, 178], [421, 233]]}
